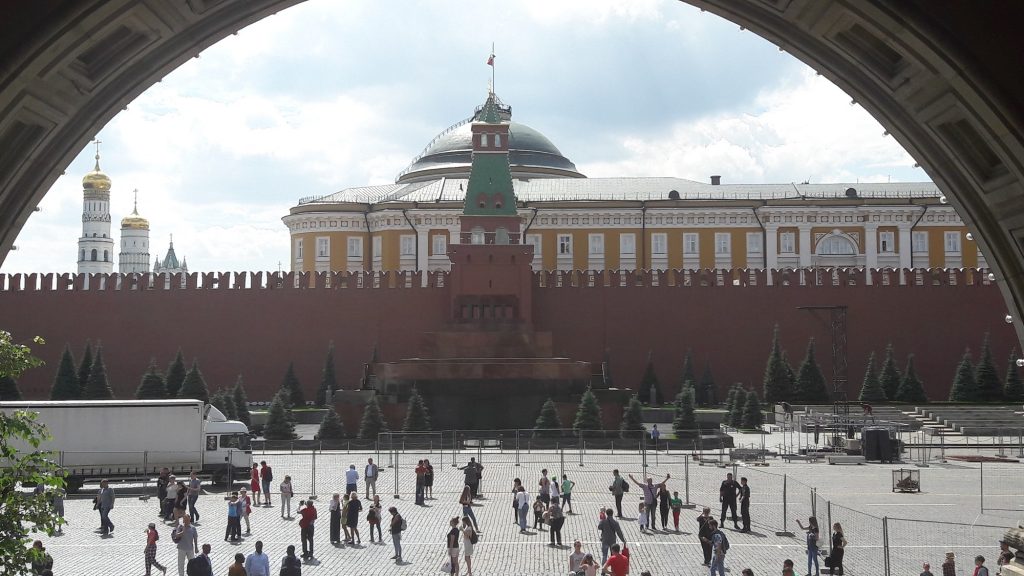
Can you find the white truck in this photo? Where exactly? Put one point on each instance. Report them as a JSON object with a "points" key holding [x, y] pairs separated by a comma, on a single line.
{"points": [[134, 439]]}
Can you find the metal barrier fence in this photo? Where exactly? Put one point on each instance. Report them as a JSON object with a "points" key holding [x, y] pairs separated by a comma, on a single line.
{"points": [[909, 543], [1001, 487]]}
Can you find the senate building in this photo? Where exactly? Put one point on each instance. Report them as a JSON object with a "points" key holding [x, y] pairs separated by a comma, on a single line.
{"points": [[625, 223]]}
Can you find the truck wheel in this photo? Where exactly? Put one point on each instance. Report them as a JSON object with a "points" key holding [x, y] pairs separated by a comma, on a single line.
{"points": [[73, 484]]}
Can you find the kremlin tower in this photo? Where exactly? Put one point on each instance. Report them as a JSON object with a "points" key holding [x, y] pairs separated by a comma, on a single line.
{"points": [[96, 247]]}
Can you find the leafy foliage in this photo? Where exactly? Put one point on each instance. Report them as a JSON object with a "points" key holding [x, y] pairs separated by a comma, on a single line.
{"points": [[152, 386], [331, 427], [964, 388], [194, 385], [632, 419], [685, 420], [753, 418], [986, 380], [65, 384], [373, 422], [9, 389], [292, 387], [97, 387], [548, 422], [649, 384], [85, 368], [279, 426], [175, 375], [911, 389], [890, 379], [778, 382], [417, 418], [328, 381], [871, 390], [1013, 389], [810, 384], [588, 415], [241, 402]]}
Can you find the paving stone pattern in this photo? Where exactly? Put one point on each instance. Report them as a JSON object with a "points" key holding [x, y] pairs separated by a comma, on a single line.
{"points": [[860, 496]]}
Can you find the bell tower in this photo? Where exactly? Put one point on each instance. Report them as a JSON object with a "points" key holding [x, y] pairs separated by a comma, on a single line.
{"points": [[96, 247]]}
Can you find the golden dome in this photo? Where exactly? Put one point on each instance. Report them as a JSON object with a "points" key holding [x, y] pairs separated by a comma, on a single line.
{"points": [[135, 221], [96, 180]]}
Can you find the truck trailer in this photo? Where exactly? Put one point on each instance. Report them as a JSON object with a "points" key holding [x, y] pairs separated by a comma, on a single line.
{"points": [[135, 439]]}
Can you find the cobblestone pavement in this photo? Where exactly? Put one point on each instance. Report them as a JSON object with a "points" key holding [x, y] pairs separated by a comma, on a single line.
{"points": [[857, 496]]}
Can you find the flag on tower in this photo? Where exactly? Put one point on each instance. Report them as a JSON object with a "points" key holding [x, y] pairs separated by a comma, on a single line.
{"points": [[490, 59]]}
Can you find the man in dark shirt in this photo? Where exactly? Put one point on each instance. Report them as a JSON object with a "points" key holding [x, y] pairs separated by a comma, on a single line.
{"points": [[745, 504], [727, 494], [473, 472], [704, 534]]}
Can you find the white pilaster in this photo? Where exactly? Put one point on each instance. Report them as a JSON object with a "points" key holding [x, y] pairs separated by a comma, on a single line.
{"points": [[422, 253], [906, 247], [805, 246], [771, 250], [870, 249]]}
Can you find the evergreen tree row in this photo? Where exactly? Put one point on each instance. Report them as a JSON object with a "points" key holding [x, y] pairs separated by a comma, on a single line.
{"points": [[980, 383], [782, 384]]}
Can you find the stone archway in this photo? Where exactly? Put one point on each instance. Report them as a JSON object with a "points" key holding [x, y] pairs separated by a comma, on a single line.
{"points": [[941, 76]]}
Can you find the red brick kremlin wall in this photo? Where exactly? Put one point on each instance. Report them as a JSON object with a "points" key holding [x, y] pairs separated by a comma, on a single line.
{"points": [[251, 325]]}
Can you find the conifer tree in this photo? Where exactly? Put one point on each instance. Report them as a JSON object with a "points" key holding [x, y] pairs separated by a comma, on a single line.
{"points": [[649, 383], [588, 415], [97, 387], [152, 385], [778, 385], [685, 421], [739, 406], [194, 387], [730, 399], [964, 388], [175, 375], [294, 388], [66, 384], [373, 422], [279, 426], [417, 418], [707, 389], [986, 380], [331, 427], [790, 373], [632, 419], [871, 390], [1013, 388], [227, 403], [753, 418], [810, 384], [9, 389], [85, 368], [548, 422], [217, 401], [890, 377], [241, 402], [328, 382], [687, 374], [911, 390]]}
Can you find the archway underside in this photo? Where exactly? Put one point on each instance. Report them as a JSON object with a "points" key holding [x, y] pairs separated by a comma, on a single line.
{"points": [[925, 69]]}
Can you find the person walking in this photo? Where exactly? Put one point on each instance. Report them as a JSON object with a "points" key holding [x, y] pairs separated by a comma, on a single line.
{"points": [[266, 477], [452, 542], [373, 518], [676, 504], [351, 479], [286, 497], [609, 529], [473, 472], [334, 521], [343, 516], [744, 496], [370, 474], [567, 486], [466, 500], [523, 502], [308, 516], [352, 518], [618, 487], [290, 564], [186, 537], [254, 481], [835, 555], [727, 494], [257, 563], [180, 502], [238, 568], [397, 526], [194, 487], [555, 519], [428, 479], [244, 509], [104, 504], [234, 529], [170, 495], [655, 436], [704, 534], [150, 553], [543, 488], [421, 472], [469, 539], [663, 503], [719, 548], [811, 537]]}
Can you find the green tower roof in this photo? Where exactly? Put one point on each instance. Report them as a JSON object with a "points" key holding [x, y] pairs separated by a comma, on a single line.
{"points": [[490, 192]]}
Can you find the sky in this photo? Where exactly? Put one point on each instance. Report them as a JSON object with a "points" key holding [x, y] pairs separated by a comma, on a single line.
{"points": [[333, 94]]}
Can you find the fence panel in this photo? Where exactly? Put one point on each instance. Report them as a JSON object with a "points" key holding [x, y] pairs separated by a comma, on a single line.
{"points": [[1002, 488], [912, 542]]}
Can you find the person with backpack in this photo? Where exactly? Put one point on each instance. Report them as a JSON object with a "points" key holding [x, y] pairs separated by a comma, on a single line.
{"points": [[469, 538], [266, 476], [186, 537], [398, 525], [719, 547], [290, 564], [618, 487]]}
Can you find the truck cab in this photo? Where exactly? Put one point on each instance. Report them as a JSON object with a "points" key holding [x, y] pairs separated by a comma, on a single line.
{"points": [[227, 449]]}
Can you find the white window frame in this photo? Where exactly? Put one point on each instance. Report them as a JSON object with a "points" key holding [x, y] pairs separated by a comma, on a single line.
{"points": [[439, 245], [887, 242], [755, 243], [595, 244], [483, 140], [323, 248], [535, 240], [659, 244], [691, 244], [298, 249], [952, 242], [832, 240], [354, 247], [723, 244], [477, 236], [919, 242], [377, 244], [627, 245], [407, 245], [787, 242], [497, 140], [565, 244]]}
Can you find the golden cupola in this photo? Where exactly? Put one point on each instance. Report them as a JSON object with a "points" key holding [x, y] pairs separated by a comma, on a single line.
{"points": [[133, 221], [96, 180]]}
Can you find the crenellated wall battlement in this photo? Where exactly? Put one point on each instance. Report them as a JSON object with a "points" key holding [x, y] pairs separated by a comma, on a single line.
{"points": [[831, 277]]}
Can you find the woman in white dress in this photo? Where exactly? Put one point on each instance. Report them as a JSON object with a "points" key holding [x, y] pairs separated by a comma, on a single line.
{"points": [[468, 535]]}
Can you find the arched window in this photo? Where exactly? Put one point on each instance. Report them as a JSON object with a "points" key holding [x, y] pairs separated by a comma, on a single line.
{"points": [[93, 254], [500, 235], [106, 257], [478, 236], [82, 259], [836, 245]]}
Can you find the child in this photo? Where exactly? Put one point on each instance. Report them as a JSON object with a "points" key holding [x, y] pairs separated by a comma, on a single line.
{"points": [[642, 518], [538, 513], [676, 505]]}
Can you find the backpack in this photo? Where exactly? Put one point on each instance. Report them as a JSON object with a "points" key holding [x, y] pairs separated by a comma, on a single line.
{"points": [[725, 541], [270, 474], [404, 525], [195, 566], [473, 537], [625, 485]]}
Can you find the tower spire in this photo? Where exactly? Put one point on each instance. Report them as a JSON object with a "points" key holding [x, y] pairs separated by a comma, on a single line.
{"points": [[97, 142], [490, 62], [135, 203]]}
